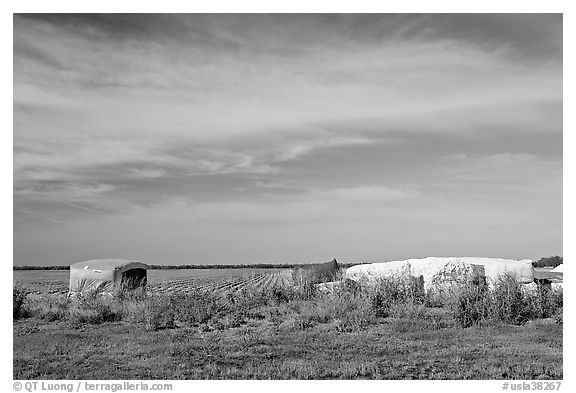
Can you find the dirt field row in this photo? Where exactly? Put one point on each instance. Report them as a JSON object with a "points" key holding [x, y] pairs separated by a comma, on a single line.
{"points": [[177, 281]]}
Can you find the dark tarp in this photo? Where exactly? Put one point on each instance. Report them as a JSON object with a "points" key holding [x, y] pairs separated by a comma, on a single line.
{"points": [[316, 273]]}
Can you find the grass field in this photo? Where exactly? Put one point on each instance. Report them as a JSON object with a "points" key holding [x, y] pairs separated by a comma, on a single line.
{"points": [[266, 330], [393, 349]]}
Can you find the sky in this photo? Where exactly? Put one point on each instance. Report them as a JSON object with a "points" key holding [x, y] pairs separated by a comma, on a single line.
{"points": [[294, 138]]}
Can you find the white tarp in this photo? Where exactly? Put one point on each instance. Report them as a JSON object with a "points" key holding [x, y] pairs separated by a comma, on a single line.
{"points": [[372, 271], [101, 275], [445, 270], [522, 270], [558, 269]]}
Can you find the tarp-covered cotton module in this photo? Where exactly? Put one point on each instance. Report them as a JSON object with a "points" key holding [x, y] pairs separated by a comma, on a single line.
{"points": [[446, 270], [316, 273], [106, 275]]}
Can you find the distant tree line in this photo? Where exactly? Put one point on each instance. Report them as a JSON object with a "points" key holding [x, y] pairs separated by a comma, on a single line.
{"points": [[220, 266], [548, 261], [54, 267]]}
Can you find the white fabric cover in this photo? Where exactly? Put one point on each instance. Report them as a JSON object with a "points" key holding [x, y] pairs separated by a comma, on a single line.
{"points": [[494, 267], [102, 275], [328, 287], [445, 270], [442, 272], [373, 271], [558, 269]]}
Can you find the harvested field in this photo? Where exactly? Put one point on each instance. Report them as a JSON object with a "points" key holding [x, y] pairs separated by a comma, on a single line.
{"points": [[177, 281]]}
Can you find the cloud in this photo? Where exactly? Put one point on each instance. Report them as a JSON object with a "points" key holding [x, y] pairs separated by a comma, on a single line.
{"points": [[369, 194], [307, 206], [302, 148], [64, 191], [516, 170], [148, 173], [266, 119]]}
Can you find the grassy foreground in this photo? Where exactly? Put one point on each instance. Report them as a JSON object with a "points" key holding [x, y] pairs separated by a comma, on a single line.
{"points": [[392, 350], [391, 332]]}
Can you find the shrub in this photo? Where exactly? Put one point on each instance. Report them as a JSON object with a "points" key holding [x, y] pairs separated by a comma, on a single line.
{"points": [[545, 301], [512, 302], [304, 290], [248, 299], [352, 311], [134, 310], [407, 310], [159, 313], [19, 295], [469, 304], [155, 312], [196, 307], [348, 306], [94, 308], [280, 293], [354, 321], [555, 300], [507, 302], [385, 293], [50, 308], [353, 306], [559, 316], [437, 299], [136, 294]]}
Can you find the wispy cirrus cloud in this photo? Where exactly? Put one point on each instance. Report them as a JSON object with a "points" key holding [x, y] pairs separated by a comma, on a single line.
{"points": [[284, 116]]}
